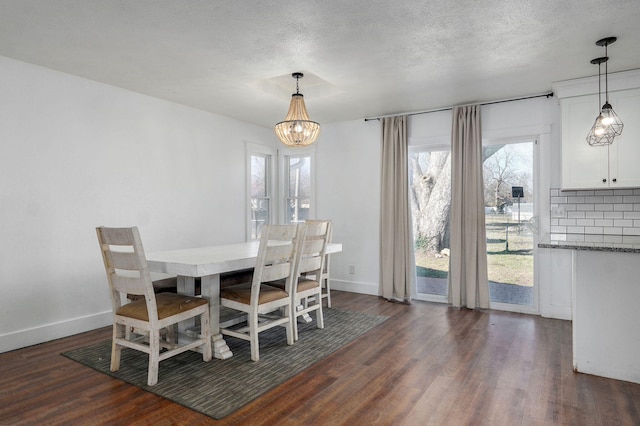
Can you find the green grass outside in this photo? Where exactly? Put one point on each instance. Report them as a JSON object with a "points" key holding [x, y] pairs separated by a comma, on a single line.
{"points": [[512, 266]]}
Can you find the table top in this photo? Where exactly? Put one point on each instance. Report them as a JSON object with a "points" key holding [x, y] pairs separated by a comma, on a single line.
{"points": [[202, 261]]}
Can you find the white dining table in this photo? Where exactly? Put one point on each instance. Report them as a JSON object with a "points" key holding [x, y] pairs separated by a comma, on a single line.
{"points": [[207, 263]]}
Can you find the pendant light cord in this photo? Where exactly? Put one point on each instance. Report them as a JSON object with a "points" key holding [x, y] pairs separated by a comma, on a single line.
{"points": [[606, 73], [599, 88]]}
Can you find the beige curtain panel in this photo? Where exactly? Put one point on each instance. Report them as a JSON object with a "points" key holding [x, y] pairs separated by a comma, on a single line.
{"points": [[397, 264], [468, 282]]}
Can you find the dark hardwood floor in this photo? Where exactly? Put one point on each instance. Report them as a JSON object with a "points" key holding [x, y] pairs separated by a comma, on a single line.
{"points": [[428, 364]]}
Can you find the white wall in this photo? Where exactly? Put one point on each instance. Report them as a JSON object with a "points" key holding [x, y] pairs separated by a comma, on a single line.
{"points": [[348, 192], [349, 186], [76, 154]]}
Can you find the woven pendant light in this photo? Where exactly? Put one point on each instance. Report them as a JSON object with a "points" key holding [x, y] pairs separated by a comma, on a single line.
{"points": [[297, 129]]}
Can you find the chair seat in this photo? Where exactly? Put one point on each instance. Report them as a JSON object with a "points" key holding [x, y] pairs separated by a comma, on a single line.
{"points": [[303, 284], [169, 304], [242, 293]]}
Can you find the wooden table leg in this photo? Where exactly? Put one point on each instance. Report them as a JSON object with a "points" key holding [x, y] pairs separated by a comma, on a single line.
{"points": [[186, 285], [210, 287]]}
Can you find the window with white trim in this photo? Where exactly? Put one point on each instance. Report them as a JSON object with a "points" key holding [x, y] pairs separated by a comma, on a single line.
{"points": [[297, 183], [260, 170]]}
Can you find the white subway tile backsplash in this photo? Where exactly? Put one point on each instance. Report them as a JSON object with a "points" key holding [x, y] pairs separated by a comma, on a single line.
{"points": [[593, 230], [612, 231], [612, 238], [598, 216], [613, 199], [594, 199], [594, 238], [595, 215], [614, 215], [623, 223], [584, 207]]}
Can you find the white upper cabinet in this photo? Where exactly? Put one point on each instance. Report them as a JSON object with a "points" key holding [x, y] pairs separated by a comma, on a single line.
{"points": [[583, 165], [624, 153], [600, 167]]}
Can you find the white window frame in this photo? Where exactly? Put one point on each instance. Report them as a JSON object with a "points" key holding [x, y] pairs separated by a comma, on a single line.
{"points": [[431, 145], [271, 155], [283, 178]]}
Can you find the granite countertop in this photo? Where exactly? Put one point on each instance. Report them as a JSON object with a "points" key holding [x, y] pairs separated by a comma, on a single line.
{"points": [[610, 243]]}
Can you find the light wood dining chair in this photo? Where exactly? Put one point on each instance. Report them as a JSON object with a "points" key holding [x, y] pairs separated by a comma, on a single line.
{"points": [[325, 281], [141, 324], [306, 295], [278, 254]]}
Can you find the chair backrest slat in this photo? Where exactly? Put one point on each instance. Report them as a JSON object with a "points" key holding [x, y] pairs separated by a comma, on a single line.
{"points": [[309, 264], [317, 227], [128, 261], [126, 267], [275, 272], [278, 255]]}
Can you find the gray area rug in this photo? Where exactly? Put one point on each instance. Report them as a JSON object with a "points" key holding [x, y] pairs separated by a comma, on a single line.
{"points": [[220, 387]]}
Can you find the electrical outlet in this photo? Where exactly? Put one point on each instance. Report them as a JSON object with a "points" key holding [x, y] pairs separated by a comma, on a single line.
{"points": [[352, 269], [557, 211]]}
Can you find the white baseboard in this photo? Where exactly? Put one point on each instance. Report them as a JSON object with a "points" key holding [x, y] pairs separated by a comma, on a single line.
{"points": [[556, 312], [33, 336], [355, 287]]}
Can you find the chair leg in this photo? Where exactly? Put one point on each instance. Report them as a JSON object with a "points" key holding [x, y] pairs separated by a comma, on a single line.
{"points": [[319, 315], [327, 286], [154, 357], [293, 313], [116, 350], [253, 336], [205, 330]]}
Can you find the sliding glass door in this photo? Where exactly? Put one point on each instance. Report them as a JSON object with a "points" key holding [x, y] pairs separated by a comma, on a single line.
{"points": [[508, 171], [430, 195]]}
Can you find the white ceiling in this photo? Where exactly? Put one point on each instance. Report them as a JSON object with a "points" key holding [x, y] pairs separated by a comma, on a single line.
{"points": [[361, 58]]}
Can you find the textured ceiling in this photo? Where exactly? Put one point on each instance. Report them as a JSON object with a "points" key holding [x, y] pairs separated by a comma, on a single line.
{"points": [[360, 58]]}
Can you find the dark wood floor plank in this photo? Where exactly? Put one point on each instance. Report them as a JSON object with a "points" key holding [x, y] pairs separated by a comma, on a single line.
{"points": [[428, 364]]}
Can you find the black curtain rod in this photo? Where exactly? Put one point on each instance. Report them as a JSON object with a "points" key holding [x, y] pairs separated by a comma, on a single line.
{"points": [[547, 95]]}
